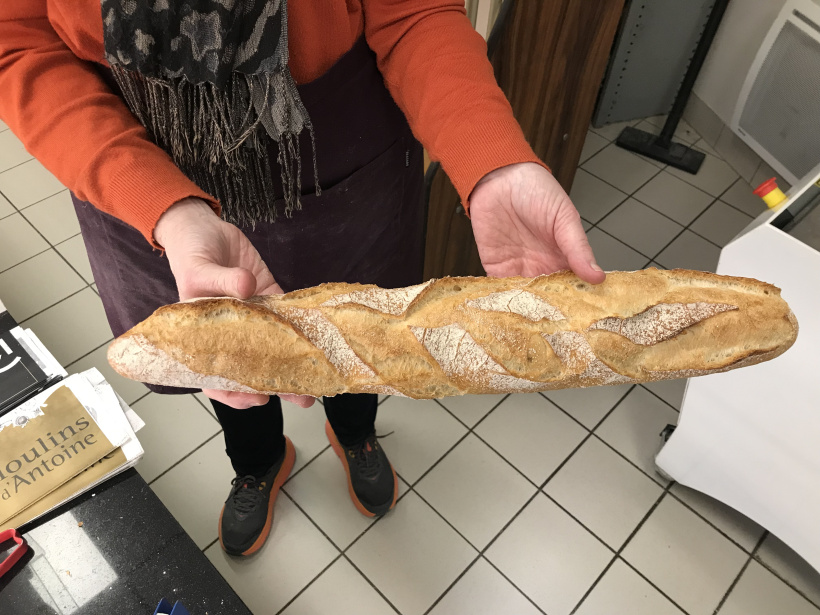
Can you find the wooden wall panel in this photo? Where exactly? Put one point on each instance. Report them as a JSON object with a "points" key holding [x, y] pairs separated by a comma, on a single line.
{"points": [[550, 64]]}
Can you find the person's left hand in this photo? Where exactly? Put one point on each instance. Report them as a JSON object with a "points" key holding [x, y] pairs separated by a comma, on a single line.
{"points": [[525, 224]]}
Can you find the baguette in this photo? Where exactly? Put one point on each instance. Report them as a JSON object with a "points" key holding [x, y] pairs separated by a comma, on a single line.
{"points": [[454, 336]]}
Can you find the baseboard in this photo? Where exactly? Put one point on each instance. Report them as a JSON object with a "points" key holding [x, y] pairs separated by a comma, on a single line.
{"points": [[725, 142]]}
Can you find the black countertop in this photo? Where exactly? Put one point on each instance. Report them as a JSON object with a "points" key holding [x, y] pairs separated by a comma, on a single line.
{"points": [[114, 550]]}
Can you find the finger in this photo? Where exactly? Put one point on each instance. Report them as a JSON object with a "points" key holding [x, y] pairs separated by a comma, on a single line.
{"points": [[212, 280], [234, 399], [272, 289], [304, 401], [573, 243], [265, 284]]}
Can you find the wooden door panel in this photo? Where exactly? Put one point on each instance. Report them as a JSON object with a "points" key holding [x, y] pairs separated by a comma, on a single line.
{"points": [[549, 63]]}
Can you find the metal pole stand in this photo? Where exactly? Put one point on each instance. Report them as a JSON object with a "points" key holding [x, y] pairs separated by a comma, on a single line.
{"points": [[661, 147]]}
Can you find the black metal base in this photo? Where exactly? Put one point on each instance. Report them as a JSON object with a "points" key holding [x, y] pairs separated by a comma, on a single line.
{"points": [[678, 155]]}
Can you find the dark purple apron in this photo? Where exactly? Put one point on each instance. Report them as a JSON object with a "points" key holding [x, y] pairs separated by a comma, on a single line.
{"points": [[367, 226]]}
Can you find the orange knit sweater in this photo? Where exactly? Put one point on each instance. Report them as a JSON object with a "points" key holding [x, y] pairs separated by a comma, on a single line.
{"points": [[433, 62]]}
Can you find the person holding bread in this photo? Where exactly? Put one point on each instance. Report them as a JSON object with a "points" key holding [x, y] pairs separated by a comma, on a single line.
{"points": [[250, 147]]}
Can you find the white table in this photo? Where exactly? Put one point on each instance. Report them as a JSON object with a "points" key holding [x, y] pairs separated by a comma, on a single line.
{"points": [[751, 438]]}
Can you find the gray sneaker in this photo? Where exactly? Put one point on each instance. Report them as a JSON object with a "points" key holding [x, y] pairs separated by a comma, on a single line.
{"points": [[247, 515]]}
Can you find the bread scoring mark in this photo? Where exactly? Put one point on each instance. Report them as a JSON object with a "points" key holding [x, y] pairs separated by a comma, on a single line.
{"points": [[575, 352], [517, 301], [137, 358], [660, 322], [393, 301], [329, 339], [460, 356], [383, 389]]}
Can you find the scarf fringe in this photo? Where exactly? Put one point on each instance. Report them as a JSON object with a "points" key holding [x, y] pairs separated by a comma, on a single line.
{"points": [[218, 137]]}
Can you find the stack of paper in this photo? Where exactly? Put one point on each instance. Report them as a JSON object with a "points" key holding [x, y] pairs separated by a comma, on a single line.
{"points": [[62, 442], [26, 367]]}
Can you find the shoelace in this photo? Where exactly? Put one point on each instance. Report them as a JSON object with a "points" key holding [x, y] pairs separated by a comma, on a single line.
{"points": [[246, 493], [368, 460]]}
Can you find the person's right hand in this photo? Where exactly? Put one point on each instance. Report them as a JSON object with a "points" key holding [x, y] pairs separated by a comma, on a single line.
{"points": [[212, 258]]}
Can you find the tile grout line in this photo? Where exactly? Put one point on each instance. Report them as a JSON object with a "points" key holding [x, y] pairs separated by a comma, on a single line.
{"points": [[371, 583], [651, 258], [481, 556], [50, 247], [592, 587], [309, 583], [529, 500], [686, 227], [632, 463], [176, 463], [20, 209], [606, 414], [648, 390], [208, 410], [510, 581], [717, 198], [535, 495], [618, 557], [56, 303], [700, 515], [30, 257], [628, 194], [738, 180], [471, 430], [579, 522], [619, 554], [140, 398], [73, 268], [19, 164], [671, 483], [483, 551], [632, 195], [507, 461], [447, 521], [90, 352], [451, 585], [309, 518], [411, 489], [342, 552], [307, 463], [59, 243], [780, 576], [739, 575]]}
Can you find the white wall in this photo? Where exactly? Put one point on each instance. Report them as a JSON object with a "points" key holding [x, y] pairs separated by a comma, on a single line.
{"points": [[741, 33]]}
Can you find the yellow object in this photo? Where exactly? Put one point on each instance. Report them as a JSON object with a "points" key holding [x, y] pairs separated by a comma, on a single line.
{"points": [[770, 193], [774, 198]]}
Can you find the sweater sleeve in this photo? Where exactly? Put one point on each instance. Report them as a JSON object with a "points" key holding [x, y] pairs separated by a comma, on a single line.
{"points": [[68, 118], [436, 68]]}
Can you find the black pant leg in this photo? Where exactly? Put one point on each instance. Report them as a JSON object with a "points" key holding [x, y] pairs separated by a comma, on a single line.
{"points": [[253, 438], [352, 416]]}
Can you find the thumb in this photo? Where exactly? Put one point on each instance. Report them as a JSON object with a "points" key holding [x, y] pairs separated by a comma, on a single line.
{"points": [[303, 401], [212, 280], [573, 243]]}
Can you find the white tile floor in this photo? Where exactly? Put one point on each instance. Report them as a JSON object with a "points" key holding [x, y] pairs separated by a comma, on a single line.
{"points": [[522, 504]]}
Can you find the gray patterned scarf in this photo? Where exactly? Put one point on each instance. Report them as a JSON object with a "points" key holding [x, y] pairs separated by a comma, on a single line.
{"points": [[209, 80]]}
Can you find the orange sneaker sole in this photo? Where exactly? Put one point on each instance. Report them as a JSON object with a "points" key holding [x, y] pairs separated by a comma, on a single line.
{"points": [[337, 448], [281, 477]]}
